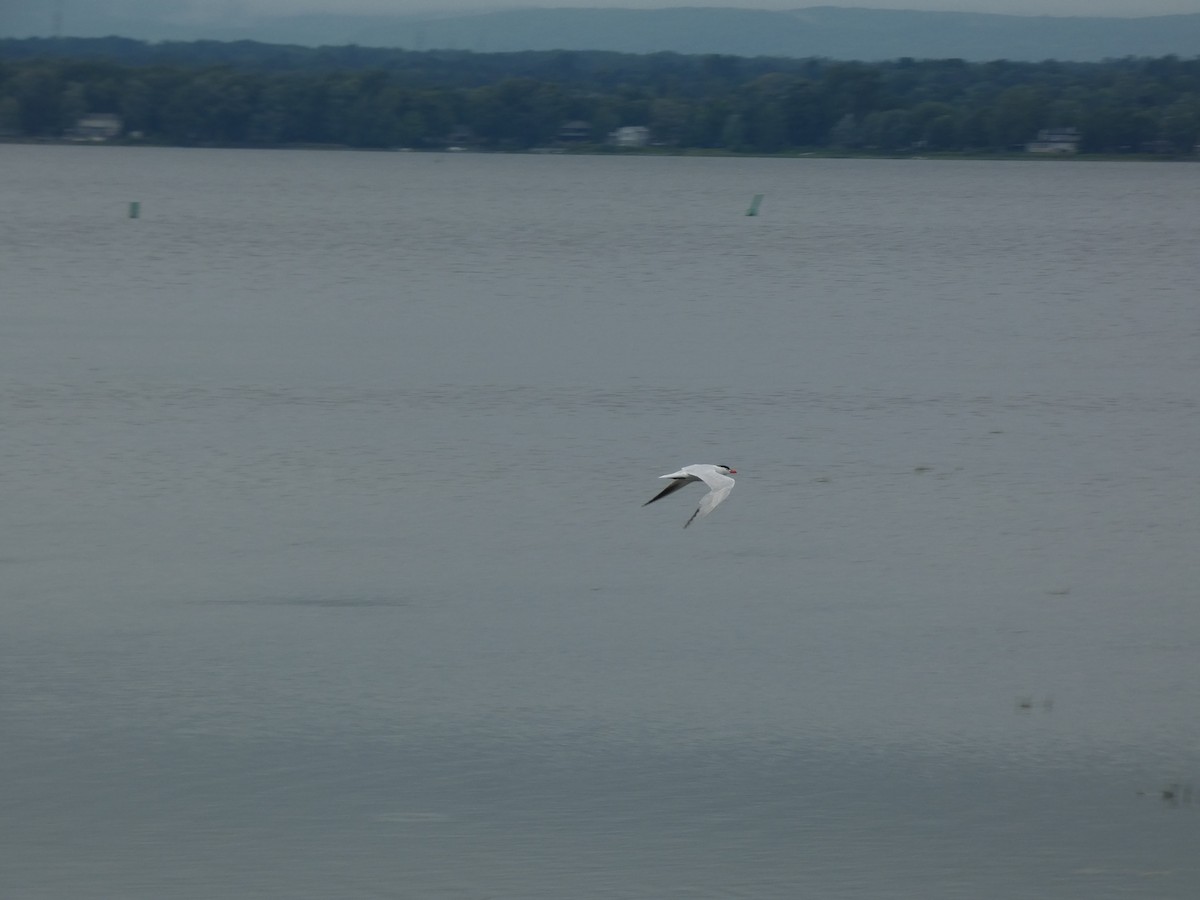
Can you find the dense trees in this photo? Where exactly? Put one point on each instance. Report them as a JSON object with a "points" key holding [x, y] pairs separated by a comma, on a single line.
{"points": [[241, 93]]}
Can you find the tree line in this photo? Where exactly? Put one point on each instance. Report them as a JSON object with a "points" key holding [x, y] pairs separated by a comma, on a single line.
{"points": [[209, 93]]}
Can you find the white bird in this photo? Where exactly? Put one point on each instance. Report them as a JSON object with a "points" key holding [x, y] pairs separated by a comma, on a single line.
{"points": [[716, 477]]}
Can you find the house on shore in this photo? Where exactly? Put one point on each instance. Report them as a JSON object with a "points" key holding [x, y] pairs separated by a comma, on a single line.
{"points": [[630, 136], [1055, 140], [575, 132], [96, 127]]}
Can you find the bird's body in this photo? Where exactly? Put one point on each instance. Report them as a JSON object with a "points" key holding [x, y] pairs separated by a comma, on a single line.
{"points": [[716, 477]]}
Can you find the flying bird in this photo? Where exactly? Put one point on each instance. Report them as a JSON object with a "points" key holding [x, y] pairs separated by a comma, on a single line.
{"points": [[716, 477]]}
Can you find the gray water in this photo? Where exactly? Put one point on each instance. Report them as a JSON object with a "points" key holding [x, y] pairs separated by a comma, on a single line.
{"points": [[325, 574]]}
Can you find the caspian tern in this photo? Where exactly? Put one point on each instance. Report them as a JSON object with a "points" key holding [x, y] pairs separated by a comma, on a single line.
{"points": [[716, 477]]}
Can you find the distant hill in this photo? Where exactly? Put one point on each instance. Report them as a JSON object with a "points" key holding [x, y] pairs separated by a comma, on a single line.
{"points": [[823, 31]]}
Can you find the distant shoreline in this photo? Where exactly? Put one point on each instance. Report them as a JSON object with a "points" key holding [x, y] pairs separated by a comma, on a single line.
{"points": [[980, 156]]}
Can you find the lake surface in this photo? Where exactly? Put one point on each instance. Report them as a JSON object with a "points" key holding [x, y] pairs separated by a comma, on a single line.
{"points": [[325, 572]]}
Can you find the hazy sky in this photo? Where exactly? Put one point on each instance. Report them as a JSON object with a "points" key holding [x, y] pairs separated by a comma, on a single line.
{"points": [[1021, 7]]}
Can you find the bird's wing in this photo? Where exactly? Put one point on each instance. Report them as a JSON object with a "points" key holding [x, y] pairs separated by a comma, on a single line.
{"points": [[685, 472], [719, 485], [718, 481], [711, 501], [671, 488]]}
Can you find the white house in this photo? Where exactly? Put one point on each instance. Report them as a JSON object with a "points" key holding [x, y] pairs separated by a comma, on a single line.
{"points": [[1055, 140], [96, 127], [630, 136]]}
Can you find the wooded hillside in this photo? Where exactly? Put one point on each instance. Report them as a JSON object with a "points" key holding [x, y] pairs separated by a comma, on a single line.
{"points": [[247, 94]]}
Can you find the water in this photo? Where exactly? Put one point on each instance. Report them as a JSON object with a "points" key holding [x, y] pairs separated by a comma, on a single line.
{"points": [[325, 572]]}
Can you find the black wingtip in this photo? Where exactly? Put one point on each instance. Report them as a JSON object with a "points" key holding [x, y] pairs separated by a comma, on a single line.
{"points": [[669, 489]]}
